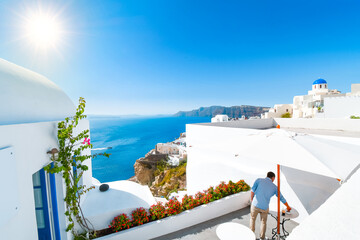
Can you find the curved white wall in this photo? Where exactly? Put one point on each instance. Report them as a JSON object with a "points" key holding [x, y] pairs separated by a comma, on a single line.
{"points": [[26, 97], [100, 208]]}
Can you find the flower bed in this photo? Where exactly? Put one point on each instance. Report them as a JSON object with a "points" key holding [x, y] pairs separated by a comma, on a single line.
{"points": [[209, 199]]}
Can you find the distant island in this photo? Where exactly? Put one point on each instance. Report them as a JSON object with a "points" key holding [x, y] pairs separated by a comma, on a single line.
{"points": [[232, 112]]}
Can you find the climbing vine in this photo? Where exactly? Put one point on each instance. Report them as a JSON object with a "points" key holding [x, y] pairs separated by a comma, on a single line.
{"points": [[70, 163]]}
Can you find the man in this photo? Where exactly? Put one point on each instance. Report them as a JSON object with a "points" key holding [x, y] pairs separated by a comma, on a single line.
{"points": [[261, 192]]}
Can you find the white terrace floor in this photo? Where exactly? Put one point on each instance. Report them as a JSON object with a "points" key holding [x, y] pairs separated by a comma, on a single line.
{"points": [[207, 230]]}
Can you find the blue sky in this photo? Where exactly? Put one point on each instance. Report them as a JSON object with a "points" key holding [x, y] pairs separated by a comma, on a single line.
{"points": [[159, 57]]}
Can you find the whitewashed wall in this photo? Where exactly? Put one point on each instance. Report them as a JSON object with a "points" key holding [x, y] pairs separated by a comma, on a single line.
{"points": [[355, 88], [342, 107], [253, 123], [30, 142], [351, 125], [220, 118], [278, 110]]}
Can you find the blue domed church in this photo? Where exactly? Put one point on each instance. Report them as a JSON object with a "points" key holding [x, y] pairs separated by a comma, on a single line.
{"points": [[311, 105]]}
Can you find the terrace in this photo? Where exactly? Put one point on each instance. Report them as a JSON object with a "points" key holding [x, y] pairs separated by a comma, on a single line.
{"points": [[307, 149], [207, 230]]}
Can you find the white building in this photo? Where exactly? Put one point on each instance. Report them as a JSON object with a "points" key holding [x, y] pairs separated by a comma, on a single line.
{"points": [[355, 89], [167, 148], [175, 150], [181, 141], [343, 106], [220, 118], [278, 110], [307, 106], [311, 105], [32, 204]]}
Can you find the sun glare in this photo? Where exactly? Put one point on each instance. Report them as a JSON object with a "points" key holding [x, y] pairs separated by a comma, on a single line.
{"points": [[43, 30]]}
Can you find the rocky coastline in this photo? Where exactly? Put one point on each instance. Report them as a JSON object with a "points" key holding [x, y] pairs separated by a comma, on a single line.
{"points": [[154, 171]]}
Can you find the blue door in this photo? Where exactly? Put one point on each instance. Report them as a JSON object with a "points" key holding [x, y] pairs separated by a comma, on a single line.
{"points": [[41, 205]]}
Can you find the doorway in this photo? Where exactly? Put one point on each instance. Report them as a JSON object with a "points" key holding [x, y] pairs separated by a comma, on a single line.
{"points": [[46, 210]]}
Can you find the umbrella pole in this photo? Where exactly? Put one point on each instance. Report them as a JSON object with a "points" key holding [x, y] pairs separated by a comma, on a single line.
{"points": [[278, 202]]}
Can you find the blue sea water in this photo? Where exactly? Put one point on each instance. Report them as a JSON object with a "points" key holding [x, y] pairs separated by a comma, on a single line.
{"points": [[130, 139]]}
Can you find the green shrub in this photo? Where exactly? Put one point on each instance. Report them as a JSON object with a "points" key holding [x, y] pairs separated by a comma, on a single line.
{"points": [[180, 170], [286, 115], [166, 178], [162, 165], [354, 117], [184, 161], [81, 236], [173, 172]]}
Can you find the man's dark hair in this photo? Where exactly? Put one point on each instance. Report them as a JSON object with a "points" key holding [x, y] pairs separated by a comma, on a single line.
{"points": [[270, 174]]}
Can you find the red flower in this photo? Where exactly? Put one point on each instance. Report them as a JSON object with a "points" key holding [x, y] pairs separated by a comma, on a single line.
{"points": [[173, 206], [120, 222], [139, 216]]}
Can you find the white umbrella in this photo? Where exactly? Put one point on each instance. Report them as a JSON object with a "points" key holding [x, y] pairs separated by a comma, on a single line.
{"points": [[310, 165], [311, 189], [342, 159]]}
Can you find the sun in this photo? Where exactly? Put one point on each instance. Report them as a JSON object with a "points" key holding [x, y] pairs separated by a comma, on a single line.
{"points": [[43, 30]]}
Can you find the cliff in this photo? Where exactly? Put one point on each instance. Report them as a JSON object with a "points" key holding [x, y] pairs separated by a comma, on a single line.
{"points": [[233, 112], [152, 170]]}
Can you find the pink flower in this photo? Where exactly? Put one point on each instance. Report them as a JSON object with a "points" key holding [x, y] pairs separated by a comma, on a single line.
{"points": [[87, 140]]}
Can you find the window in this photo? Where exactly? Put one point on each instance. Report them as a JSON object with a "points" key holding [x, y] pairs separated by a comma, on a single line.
{"points": [[41, 205], [315, 86], [38, 196], [287, 110], [320, 85]]}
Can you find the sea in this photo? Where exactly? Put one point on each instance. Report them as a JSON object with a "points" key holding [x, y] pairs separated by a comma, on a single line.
{"points": [[130, 138]]}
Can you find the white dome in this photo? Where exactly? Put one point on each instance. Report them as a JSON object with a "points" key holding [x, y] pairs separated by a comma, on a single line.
{"points": [[26, 96]]}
